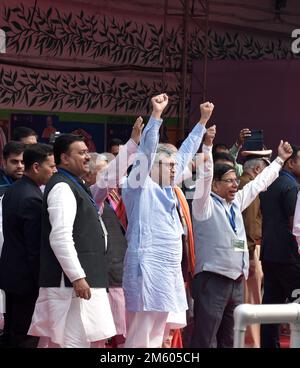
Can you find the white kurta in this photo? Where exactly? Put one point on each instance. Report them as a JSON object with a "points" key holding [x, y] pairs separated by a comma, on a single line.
{"points": [[152, 279], [52, 306]]}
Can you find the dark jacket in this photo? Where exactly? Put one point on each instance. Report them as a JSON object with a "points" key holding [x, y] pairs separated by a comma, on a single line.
{"points": [[19, 262], [278, 207], [88, 239], [5, 182], [116, 246]]}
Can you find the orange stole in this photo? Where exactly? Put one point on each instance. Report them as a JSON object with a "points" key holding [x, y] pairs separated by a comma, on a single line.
{"points": [[187, 216], [177, 340]]}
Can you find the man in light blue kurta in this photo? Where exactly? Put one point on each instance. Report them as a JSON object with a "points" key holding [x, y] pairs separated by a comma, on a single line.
{"points": [[152, 280]]}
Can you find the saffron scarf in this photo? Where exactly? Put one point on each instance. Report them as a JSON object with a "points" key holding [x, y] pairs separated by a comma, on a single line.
{"points": [[188, 220]]}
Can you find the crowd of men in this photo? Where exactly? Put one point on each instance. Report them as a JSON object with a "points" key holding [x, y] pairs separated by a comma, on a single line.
{"points": [[151, 247]]}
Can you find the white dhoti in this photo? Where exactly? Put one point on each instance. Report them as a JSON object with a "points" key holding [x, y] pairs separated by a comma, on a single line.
{"points": [[174, 321], [70, 321], [145, 329]]}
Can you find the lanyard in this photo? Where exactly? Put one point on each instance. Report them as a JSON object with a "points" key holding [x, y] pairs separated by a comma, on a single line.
{"points": [[231, 216], [79, 184], [289, 175]]}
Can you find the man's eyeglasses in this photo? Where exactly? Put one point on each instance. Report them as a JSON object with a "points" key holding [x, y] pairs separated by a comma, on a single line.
{"points": [[231, 181], [169, 165]]}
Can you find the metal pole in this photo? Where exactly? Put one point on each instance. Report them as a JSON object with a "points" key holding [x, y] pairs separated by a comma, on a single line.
{"points": [[184, 69], [246, 314], [164, 47], [205, 56]]}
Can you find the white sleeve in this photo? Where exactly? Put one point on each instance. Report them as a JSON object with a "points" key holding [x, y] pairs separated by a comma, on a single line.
{"points": [[202, 202], [111, 177], [62, 209], [251, 190], [296, 225], [188, 149]]}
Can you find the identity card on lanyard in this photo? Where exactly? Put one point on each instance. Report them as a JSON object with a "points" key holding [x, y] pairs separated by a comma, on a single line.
{"points": [[238, 245]]}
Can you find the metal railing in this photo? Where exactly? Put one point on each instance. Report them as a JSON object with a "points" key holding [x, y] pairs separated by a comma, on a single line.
{"points": [[247, 314]]}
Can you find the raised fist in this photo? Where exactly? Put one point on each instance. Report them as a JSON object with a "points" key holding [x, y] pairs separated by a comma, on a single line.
{"points": [[210, 135], [159, 102], [206, 110], [284, 150], [137, 130]]}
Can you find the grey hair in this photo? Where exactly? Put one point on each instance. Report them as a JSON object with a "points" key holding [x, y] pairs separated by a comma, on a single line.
{"points": [[95, 159], [164, 150], [251, 164]]}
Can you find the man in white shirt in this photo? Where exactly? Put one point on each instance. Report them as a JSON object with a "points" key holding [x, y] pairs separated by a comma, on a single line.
{"points": [[222, 259], [72, 309]]}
